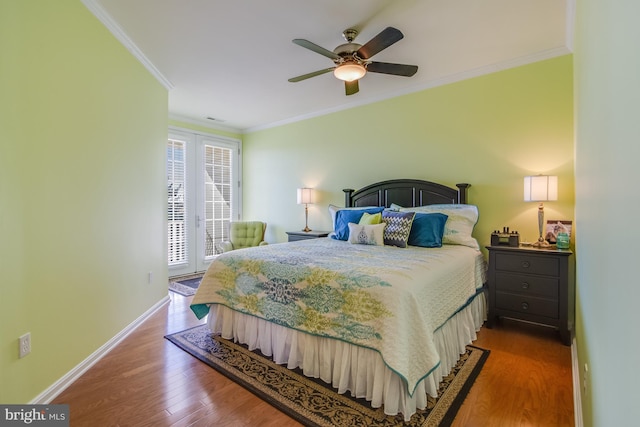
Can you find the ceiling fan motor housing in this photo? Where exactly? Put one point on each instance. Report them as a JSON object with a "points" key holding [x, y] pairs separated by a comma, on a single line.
{"points": [[347, 52]]}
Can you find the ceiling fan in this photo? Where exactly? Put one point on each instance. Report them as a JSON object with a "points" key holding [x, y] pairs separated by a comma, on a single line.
{"points": [[353, 60]]}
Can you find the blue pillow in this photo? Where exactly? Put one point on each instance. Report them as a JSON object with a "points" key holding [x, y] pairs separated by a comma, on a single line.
{"points": [[345, 216], [427, 230]]}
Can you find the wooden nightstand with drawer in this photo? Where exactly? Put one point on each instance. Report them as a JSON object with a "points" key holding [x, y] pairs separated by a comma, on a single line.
{"points": [[534, 285], [304, 235]]}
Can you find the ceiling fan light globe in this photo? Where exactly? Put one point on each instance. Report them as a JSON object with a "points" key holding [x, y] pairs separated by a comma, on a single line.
{"points": [[349, 72]]}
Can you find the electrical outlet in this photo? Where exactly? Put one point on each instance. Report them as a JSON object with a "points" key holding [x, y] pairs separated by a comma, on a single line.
{"points": [[150, 277], [25, 344]]}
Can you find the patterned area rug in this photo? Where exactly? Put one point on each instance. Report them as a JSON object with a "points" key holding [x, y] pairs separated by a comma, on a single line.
{"points": [[185, 285], [314, 403]]}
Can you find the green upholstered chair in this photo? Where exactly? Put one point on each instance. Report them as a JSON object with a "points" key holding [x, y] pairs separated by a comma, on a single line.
{"points": [[244, 234]]}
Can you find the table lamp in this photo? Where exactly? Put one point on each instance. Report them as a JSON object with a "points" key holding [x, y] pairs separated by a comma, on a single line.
{"points": [[540, 188], [305, 196]]}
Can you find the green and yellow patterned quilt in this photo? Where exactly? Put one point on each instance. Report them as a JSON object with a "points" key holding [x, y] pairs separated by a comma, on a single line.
{"points": [[385, 298]]}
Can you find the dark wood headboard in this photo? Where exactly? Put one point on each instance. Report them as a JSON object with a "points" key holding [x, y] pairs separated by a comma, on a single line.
{"points": [[406, 193]]}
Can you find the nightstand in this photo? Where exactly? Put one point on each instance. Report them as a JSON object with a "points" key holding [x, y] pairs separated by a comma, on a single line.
{"points": [[534, 285], [304, 235]]}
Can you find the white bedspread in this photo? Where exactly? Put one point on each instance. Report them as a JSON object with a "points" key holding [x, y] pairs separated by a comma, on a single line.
{"points": [[347, 367], [383, 298]]}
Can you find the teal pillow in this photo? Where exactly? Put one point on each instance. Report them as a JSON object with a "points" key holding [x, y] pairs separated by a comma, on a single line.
{"points": [[427, 230], [396, 233], [345, 216], [460, 222]]}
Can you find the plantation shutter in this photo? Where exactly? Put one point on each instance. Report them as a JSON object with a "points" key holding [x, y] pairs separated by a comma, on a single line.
{"points": [[176, 208], [218, 179]]}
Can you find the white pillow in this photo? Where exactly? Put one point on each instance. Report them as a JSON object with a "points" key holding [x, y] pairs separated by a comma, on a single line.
{"points": [[366, 234], [460, 222]]}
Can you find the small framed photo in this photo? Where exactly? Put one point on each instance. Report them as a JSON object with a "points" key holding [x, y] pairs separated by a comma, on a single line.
{"points": [[555, 226]]}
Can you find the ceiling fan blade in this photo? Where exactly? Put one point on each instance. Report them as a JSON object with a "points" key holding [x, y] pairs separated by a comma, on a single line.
{"points": [[314, 47], [395, 69], [309, 75], [383, 40], [351, 87]]}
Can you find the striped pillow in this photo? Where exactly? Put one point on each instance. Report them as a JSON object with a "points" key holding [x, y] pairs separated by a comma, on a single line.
{"points": [[398, 228]]}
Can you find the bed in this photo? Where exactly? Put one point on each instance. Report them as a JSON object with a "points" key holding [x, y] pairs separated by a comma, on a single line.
{"points": [[379, 312]]}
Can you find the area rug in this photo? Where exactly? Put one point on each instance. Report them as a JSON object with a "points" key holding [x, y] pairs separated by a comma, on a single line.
{"points": [[314, 403], [185, 285]]}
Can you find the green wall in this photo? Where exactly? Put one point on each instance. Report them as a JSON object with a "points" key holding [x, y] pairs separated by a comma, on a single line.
{"points": [[489, 131], [82, 190], [607, 66]]}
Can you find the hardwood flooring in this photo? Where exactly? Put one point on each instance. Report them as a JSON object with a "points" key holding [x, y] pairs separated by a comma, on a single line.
{"points": [[147, 381]]}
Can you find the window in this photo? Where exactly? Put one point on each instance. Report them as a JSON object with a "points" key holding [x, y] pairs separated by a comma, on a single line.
{"points": [[203, 189]]}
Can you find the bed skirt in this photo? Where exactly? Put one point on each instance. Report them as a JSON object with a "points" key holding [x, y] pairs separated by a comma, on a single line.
{"points": [[349, 368]]}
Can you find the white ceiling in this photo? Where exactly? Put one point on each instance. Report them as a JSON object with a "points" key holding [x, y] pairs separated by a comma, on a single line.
{"points": [[230, 59]]}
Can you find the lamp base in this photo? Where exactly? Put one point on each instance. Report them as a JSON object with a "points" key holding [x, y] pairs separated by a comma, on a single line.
{"points": [[306, 228]]}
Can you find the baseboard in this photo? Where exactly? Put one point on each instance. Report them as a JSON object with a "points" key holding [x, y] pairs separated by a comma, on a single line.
{"points": [[59, 386], [577, 385]]}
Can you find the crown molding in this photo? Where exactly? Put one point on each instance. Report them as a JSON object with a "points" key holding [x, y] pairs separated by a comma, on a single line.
{"points": [[453, 78], [203, 122], [105, 18], [98, 11], [570, 24]]}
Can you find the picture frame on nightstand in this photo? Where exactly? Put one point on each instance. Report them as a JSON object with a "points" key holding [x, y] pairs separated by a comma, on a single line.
{"points": [[555, 226]]}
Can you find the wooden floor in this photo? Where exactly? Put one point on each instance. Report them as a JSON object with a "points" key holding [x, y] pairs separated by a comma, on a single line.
{"points": [[147, 381]]}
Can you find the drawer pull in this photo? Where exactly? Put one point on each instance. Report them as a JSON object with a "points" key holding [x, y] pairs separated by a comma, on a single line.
{"points": [[525, 285], [525, 264], [525, 306]]}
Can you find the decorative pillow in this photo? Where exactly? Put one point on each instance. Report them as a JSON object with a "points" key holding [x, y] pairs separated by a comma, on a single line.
{"points": [[345, 216], [427, 230], [333, 211], [368, 218], [396, 233], [366, 234], [460, 222]]}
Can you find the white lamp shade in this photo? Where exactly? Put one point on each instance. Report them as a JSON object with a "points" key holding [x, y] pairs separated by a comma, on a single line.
{"points": [[305, 196], [540, 188], [349, 72]]}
